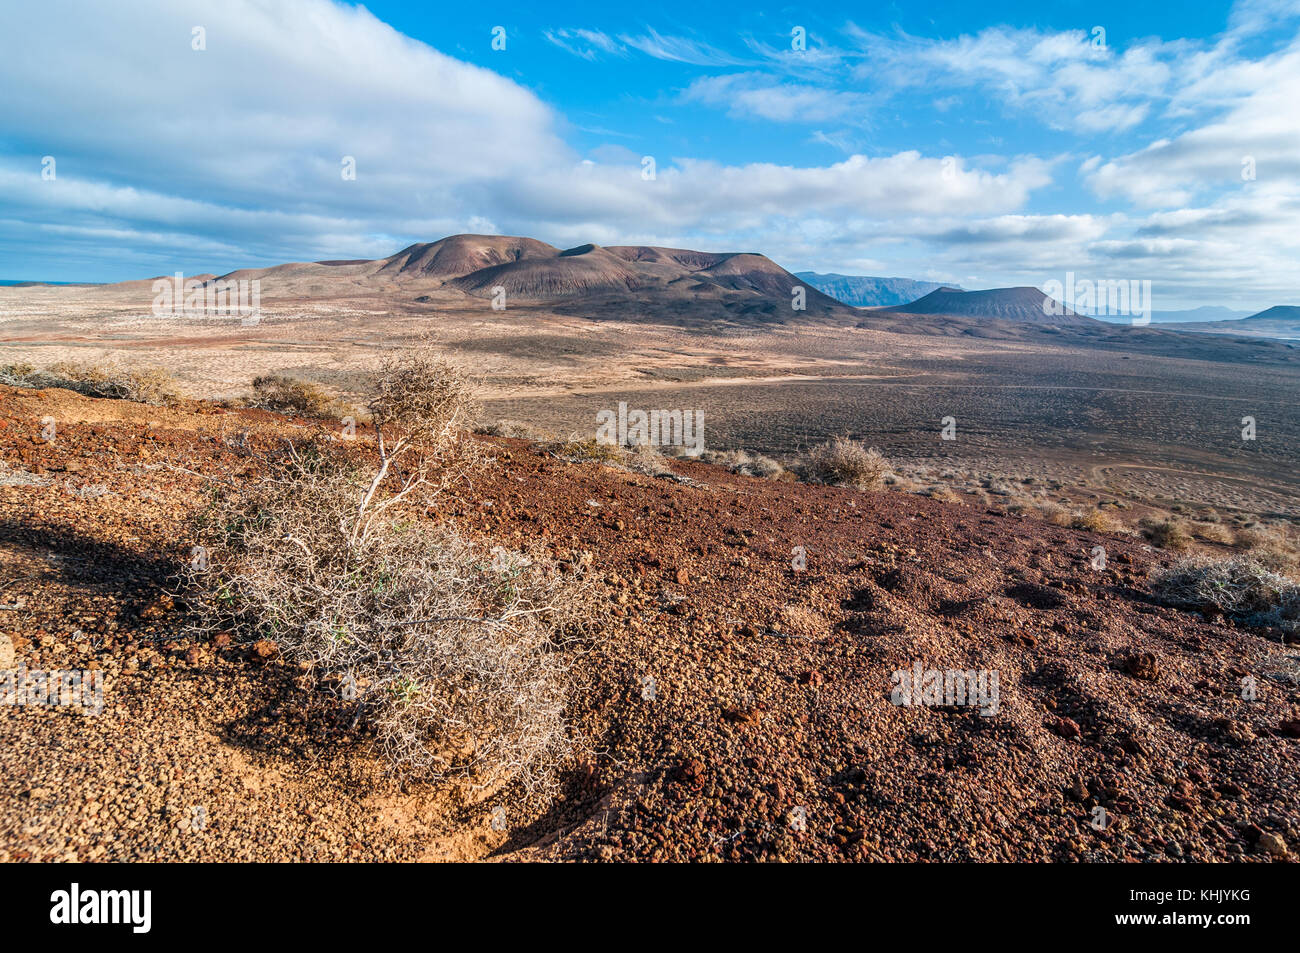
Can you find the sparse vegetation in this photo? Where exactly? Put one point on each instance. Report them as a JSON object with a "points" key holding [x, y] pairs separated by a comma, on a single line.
{"points": [[1239, 588], [647, 459], [745, 463], [587, 451], [517, 429], [144, 385], [1094, 521], [845, 462], [449, 649], [1168, 534], [289, 395]]}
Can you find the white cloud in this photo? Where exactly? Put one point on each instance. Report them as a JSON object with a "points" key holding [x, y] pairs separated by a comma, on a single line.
{"points": [[232, 155], [1258, 130], [756, 95]]}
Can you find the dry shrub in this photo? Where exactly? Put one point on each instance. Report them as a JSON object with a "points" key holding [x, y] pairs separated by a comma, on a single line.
{"points": [[1268, 547], [745, 463], [1214, 533], [1094, 521], [644, 458], [591, 450], [143, 385], [844, 462], [16, 375], [1250, 537], [1167, 533], [941, 492], [289, 395], [1055, 514], [1239, 588], [450, 650]]}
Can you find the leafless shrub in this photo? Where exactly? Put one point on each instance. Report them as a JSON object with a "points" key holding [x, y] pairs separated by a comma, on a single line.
{"points": [[941, 492], [450, 650], [1213, 533], [586, 451], [1055, 514], [289, 395], [1094, 521], [745, 463], [1166, 533], [1239, 588], [844, 462], [644, 458], [144, 385]]}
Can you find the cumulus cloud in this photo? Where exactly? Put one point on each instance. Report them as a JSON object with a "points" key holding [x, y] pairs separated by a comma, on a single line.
{"points": [[170, 157], [244, 144], [1256, 139]]}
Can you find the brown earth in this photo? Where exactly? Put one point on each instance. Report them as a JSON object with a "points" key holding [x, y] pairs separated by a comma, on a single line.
{"points": [[735, 707]]}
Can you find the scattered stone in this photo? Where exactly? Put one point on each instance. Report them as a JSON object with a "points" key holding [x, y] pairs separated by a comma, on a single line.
{"points": [[1273, 845], [264, 650], [1142, 665]]}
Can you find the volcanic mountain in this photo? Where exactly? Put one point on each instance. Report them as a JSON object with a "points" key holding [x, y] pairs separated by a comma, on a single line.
{"points": [[1023, 305], [627, 282], [1281, 321], [1279, 312]]}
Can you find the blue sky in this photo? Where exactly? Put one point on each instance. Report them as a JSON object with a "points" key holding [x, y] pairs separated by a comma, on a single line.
{"points": [[984, 144]]}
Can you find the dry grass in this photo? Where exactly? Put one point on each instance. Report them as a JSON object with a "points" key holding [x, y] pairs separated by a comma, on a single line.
{"points": [[1055, 514], [587, 451], [1168, 534], [1240, 588], [941, 492], [745, 463], [143, 385], [1213, 533], [1095, 521], [844, 462], [289, 395], [646, 459], [449, 649]]}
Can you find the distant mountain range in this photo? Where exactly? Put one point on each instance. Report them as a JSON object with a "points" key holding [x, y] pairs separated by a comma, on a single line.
{"points": [[862, 291], [1280, 321], [1203, 313], [683, 287], [629, 281]]}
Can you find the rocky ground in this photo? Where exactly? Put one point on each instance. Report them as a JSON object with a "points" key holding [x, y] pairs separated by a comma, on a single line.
{"points": [[733, 706]]}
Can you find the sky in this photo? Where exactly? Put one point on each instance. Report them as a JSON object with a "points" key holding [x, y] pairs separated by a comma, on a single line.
{"points": [[983, 144]]}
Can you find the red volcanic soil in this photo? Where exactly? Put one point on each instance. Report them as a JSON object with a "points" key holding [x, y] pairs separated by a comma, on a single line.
{"points": [[769, 732]]}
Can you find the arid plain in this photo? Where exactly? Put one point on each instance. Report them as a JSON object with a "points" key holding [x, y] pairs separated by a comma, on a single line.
{"points": [[1105, 411]]}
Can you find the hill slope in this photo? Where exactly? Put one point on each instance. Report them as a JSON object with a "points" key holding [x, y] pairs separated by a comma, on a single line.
{"points": [[628, 282], [1022, 305], [772, 685], [1281, 322]]}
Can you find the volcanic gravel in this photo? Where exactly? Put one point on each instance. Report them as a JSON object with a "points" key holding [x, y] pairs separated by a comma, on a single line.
{"points": [[732, 705]]}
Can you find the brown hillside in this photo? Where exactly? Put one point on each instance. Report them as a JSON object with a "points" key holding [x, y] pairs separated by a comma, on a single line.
{"points": [[771, 684]]}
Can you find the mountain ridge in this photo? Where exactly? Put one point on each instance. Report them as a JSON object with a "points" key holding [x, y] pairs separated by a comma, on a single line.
{"points": [[867, 291]]}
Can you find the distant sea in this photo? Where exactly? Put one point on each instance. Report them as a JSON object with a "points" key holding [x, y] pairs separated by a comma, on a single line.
{"points": [[6, 282]]}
